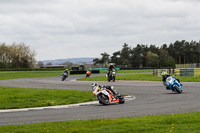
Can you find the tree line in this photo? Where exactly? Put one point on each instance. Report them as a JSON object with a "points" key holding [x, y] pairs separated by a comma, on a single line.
{"points": [[179, 52], [16, 56]]}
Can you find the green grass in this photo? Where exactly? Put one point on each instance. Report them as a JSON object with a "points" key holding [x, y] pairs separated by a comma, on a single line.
{"points": [[171, 123], [142, 77], [34, 74], [129, 71], [189, 79], [12, 98], [28, 74], [146, 77]]}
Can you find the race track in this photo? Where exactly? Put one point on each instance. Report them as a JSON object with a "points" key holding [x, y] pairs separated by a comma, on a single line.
{"points": [[151, 98]]}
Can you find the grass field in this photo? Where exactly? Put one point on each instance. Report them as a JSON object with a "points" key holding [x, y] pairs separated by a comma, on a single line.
{"points": [[129, 71], [23, 98], [142, 77], [28, 74], [34, 74], [12, 98], [171, 123], [146, 77]]}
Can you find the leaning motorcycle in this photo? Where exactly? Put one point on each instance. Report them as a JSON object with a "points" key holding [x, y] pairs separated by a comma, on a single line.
{"points": [[111, 76], [88, 73], [173, 84], [106, 95], [64, 76]]}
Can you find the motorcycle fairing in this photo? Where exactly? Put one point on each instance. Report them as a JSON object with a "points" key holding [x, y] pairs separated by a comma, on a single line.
{"points": [[106, 92], [112, 99], [172, 82], [98, 90]]}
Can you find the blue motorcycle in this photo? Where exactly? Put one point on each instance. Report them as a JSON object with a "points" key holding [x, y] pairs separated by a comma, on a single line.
{"points": [[173, 84], [64, 76]]}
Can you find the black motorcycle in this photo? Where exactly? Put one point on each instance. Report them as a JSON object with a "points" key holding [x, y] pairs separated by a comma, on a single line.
{"points": [[111, 76]]}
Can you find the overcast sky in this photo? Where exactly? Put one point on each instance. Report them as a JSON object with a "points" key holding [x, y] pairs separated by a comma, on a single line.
{"points": [[58, 29]]}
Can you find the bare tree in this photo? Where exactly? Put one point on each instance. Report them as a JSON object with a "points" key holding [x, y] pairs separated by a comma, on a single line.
{"points": [[16, 56]]}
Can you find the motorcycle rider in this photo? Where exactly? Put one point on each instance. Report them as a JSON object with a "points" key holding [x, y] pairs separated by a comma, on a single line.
{"points": [[111, 68], [165, 76], [114, 92], [107, 87], [88, 73], [66, 71], [94, 85]]}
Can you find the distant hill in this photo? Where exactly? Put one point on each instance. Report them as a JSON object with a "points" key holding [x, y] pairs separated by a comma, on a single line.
{"points": [[72, 60]]}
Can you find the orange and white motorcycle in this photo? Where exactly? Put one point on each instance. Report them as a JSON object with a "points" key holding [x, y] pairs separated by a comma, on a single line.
{"points": [[88, 73], [106, 95]]}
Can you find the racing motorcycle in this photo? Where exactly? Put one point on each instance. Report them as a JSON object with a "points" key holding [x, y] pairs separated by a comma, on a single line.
{"points": [[88, 73], [106, 94], [173, 84], [111, 76], [64, 76]]}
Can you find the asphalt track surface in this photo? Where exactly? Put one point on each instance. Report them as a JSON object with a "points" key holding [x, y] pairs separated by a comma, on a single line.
{"points": [[150, 98]]}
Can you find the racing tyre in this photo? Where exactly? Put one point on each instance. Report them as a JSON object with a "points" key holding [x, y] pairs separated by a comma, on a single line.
{"points": [[63, 78], [100, 102], [109, 78], [121, 99], [114, 79], [177, 89], [103, 99]]}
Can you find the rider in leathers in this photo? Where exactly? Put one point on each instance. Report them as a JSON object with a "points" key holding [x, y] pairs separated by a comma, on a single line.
{"points": [[107, 87], [165, 76], [111, 68], [66, 71]]}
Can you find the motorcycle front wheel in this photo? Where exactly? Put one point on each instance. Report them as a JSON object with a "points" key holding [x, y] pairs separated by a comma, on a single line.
{"points": [[103, 99], [177, 89], [63, 78], [121, 99], [113, 78]]}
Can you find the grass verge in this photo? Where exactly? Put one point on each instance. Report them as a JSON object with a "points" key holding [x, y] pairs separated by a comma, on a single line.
{"points": [[34, 74], [28, 74], [142, 77], [181, 123], [146, 77], [13, 98], [129, 71]]}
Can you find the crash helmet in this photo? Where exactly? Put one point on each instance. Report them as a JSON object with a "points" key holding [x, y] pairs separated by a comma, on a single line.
{"points": [[94, 84], [66, 69], [163, 74]]}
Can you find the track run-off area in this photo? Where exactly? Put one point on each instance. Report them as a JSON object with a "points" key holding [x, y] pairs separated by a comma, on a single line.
{"points": [[143, 98]]}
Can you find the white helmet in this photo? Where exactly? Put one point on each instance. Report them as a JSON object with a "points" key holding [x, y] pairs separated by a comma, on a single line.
{"points": [[66, 69], [94, 85]]}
